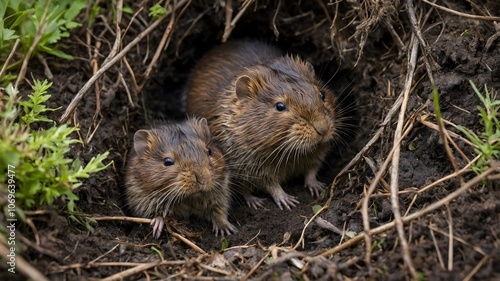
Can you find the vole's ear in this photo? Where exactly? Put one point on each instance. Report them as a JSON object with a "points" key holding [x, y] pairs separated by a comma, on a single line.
{"points": [[309, 66], [205, 129], [246, 87], [141, 141]]}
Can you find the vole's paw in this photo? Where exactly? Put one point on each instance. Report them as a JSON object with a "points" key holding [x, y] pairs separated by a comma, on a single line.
{"points": [[158, 223], [285, 200], [254, 202], [225, 229], [314, 186]]}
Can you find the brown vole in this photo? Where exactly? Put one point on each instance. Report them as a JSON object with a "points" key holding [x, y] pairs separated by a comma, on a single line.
{"points": [[271, 116], [175, 170]]}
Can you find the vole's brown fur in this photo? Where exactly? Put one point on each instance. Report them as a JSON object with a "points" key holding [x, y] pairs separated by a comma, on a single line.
{"points": [[238, 88], [193, 180]]}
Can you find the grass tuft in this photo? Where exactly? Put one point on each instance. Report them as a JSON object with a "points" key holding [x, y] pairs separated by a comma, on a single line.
{"points": [[487, 141]]}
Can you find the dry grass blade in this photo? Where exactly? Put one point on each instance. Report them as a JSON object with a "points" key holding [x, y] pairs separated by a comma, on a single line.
{"points": [[188, 242], [165, 39], [76, 100], [450, 244], [244, 278], [229, 28], [487, 18], [476, 268], [11, 54], [458, 239], [395, 161], [131, 271], [450, 176], [395, 107], [41, 27], [148, 221], [418, 33], [371, 189], [438, 251]]}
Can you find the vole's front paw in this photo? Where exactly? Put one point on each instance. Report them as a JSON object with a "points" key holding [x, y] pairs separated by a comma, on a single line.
{"points": [[224, 229], [158, 223], [314, 186], [285, 200], [254, 202]]}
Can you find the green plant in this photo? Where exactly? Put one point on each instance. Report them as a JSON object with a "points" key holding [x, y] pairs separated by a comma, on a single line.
{"points": [[488, 141], [156, 11], [46, 21], [158, 252], [35, 162], [377, 244], [224, 243]]}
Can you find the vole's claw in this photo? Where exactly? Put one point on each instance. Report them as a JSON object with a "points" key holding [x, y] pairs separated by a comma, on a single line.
{"points": [[254, 202], [157, 224], [315, 186], [225, 230], [286, 200]]}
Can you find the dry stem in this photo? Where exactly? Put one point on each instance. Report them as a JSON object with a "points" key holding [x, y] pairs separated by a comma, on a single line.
{"points": [[395, 161], [76, 100]]}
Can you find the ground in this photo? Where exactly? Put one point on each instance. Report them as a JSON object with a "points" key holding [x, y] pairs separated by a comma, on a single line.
{"points": [[367, 68]]}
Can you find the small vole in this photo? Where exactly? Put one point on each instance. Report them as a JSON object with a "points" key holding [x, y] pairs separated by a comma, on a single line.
{"points": [[271, 116], [175, 170]]}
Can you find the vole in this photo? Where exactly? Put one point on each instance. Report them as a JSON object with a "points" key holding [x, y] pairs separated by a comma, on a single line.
{"points": [[270, 114], [176, 170]]}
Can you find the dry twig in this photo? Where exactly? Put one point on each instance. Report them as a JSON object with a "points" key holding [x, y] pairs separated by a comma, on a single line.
{"points": [[418, 33], [76, 100], [487, 18], [395, 160], [229, 28]]}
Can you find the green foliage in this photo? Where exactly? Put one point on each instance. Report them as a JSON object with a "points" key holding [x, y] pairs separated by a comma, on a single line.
{"points": [[23, 19], [158, 252], [488, 141], [316, 208], [156, 11], [38, 157], [34, 106], [224, 243], [377, 244]]}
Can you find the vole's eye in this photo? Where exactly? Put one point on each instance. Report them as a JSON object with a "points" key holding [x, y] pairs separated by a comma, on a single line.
{"points": [[322, 95], [209, 151], [280, 106], [168, 161]]}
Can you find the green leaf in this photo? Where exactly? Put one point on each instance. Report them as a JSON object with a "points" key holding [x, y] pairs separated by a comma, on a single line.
{"points": [[74, 9], [156, 11], [57, 53], [8, 34], [128, 10], [351, 234], [224, 243], [316, 208]]}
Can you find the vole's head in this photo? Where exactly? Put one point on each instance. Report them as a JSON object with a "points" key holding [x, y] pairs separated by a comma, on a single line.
{"points": [[284, 106], [176, 160]]}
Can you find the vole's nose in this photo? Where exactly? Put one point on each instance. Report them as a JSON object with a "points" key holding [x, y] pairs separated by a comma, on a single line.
{"points": [[203, 178], [322, 127]]}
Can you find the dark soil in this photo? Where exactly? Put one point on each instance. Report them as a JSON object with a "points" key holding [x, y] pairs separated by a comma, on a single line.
{"points": [[368, 88]]}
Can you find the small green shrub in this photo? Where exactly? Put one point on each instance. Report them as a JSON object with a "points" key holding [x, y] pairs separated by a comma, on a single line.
{"points": [[488, 141], [23, 18], [34, 161]]}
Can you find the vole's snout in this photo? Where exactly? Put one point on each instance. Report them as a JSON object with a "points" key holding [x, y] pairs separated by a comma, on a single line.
{"points": [[203, 178], [322, 128]]}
